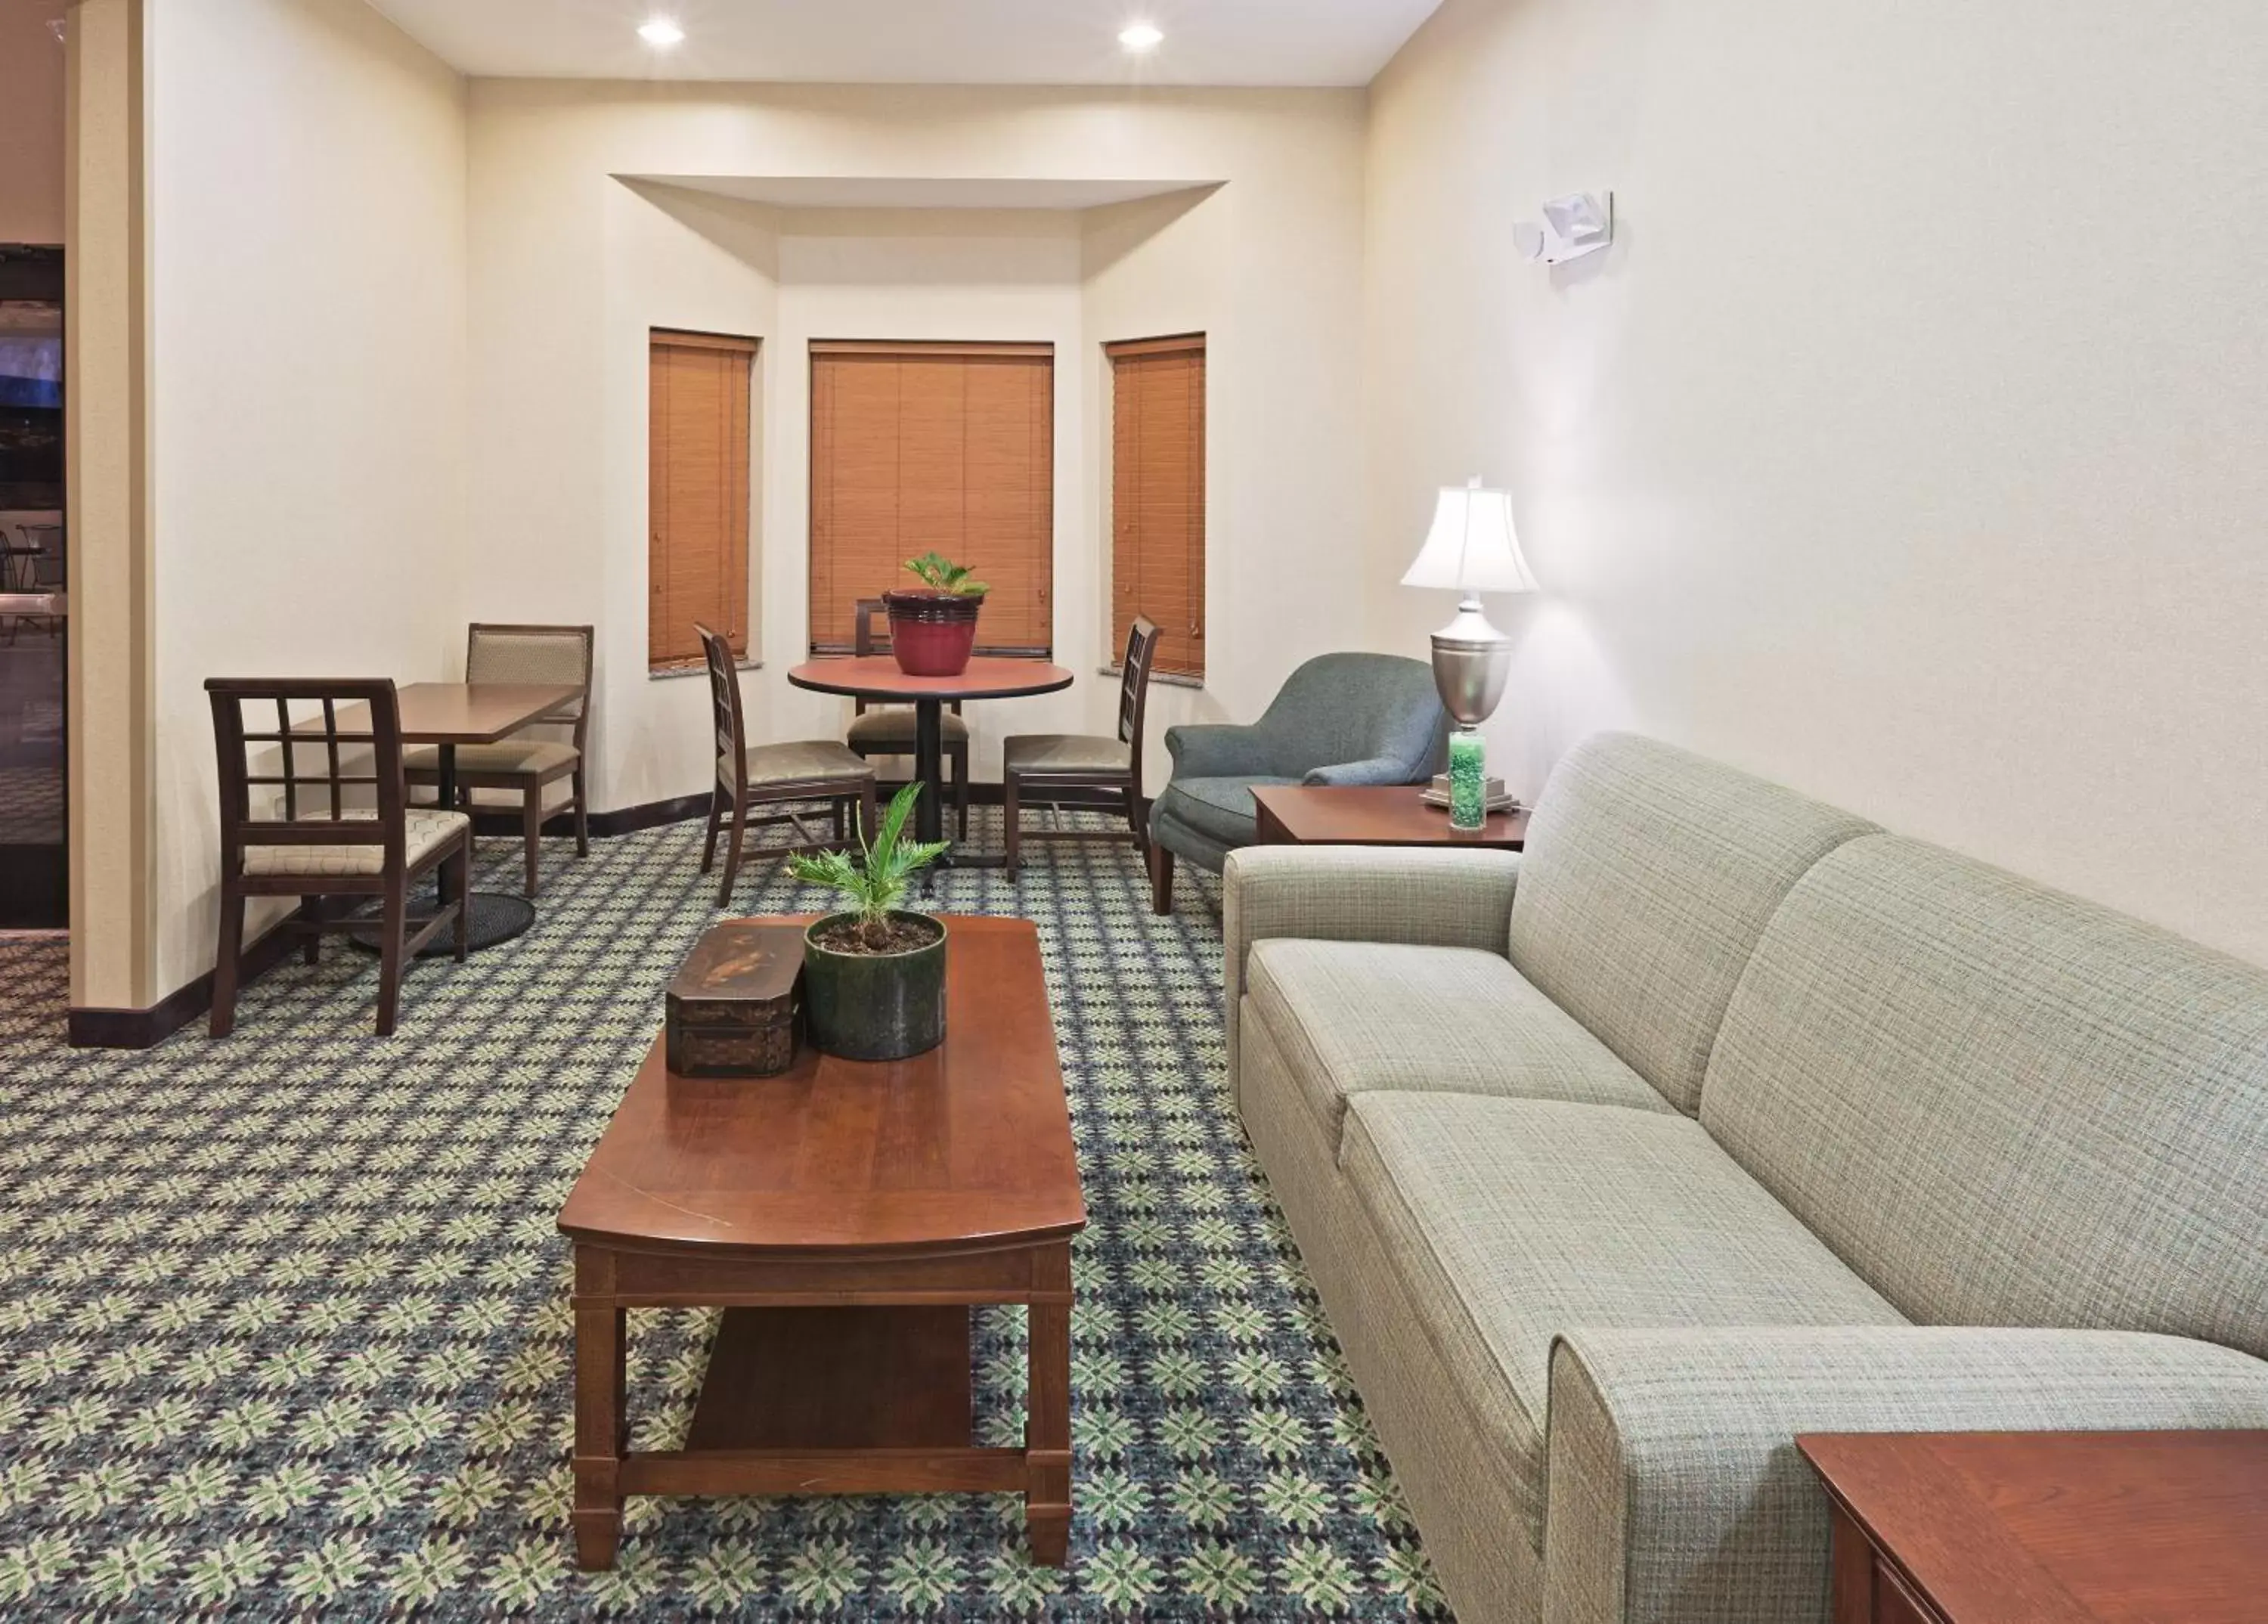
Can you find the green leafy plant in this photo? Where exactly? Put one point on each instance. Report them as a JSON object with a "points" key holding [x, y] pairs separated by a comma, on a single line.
{"points": [[942, 574], [876, 885]]}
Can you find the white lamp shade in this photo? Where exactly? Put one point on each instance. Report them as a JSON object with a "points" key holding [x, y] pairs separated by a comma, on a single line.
{"points": [[1472, 547]]}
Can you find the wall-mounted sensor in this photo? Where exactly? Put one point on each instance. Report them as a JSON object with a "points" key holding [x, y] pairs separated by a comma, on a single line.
{"points": [[1578, 224]]}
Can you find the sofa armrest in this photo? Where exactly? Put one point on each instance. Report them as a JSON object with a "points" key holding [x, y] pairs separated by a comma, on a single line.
{"points": [[1375, 770], [1219, 749], [1349, 893], [1675, 1489]]}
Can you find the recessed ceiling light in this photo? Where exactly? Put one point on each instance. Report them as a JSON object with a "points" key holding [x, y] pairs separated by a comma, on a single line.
{"points": [[1142, 37], [659, 31]]}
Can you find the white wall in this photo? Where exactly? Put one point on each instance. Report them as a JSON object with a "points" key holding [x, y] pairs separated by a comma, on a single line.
{"points": [[31, 123], [308, 266], [570, 266], [1907, 447]]}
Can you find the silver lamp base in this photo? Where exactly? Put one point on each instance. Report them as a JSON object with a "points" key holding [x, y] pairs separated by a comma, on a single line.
{"points": [[1472, 661]]}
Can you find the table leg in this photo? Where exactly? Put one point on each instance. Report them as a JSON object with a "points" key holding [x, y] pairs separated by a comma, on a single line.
{"points": [[602, 1432], [929, 768], [447, 801], [1047, 1424]]}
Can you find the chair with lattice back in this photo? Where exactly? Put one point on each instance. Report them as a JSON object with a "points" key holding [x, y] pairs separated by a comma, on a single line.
{"points": [[331, 819], [749, 776], [1038, 769]]}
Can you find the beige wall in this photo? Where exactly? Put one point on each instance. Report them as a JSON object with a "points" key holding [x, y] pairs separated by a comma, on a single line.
{"points": [[1906, 447], [571, 266], [308, 276], [31, 122]]}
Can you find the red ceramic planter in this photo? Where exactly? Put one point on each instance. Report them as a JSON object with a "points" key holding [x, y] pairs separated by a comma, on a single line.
{"points": [[932, 633]]}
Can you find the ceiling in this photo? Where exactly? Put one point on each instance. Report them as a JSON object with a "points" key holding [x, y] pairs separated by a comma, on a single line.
{"points": [[1256, 42]]}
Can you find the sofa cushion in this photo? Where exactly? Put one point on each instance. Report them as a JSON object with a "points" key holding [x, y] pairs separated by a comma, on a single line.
{"points": [[2003, 1106], [1221, 807], [1351, 1016], [1512, 1222], [1649, 874]]}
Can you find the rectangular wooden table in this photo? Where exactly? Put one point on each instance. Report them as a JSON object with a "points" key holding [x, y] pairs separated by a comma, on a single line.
{"points": [[846, 1215], [1369, 814], [2046, 1527], [446, 715]]}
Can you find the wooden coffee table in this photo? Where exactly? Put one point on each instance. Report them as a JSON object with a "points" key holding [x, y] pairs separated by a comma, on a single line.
{"points": [[2089, 1527], [1370, 814], [846, 1215]]}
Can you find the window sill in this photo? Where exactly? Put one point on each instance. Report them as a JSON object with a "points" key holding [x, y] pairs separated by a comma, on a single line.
{"points": [[666, 674], [1171, 679]]}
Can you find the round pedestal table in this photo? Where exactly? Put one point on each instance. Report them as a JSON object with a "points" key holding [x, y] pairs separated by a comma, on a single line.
{"points": [[876, 677]]}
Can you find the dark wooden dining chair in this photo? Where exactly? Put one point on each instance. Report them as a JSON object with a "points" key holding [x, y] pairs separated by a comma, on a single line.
{"points": [[880, 728], [773, 775], [534, 772], [304, 839], [1037, 767]]}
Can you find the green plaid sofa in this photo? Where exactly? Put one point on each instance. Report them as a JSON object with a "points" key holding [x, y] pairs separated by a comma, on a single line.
{"points": [[1718, 1116]]}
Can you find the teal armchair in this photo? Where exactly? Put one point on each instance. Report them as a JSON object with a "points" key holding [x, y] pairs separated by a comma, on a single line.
{"points": [[1341, 719]]}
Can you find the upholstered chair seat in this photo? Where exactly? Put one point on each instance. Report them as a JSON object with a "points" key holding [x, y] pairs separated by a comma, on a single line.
{"points": [[1067, 752], [426, 830], [891, 731], [806, 761]]}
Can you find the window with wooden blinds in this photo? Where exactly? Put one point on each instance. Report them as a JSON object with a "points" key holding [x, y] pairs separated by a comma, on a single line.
{"points": [[1157, 496], [944, 446], [696, 493]]}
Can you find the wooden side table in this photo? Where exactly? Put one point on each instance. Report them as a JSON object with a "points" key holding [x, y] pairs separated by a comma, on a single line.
{"points": [[1367, 815], [2091, 1527]]}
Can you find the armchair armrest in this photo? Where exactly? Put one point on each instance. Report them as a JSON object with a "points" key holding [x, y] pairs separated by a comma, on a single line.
{"points": [[1675, 1489], [1219, 749], [1375, 770], [1340, 893]]}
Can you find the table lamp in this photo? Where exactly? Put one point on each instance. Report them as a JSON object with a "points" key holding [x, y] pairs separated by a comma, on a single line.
{"points": [[1471, 548]]}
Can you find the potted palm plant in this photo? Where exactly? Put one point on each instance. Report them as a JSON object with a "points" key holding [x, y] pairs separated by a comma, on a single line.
{"points": [[873, 975], [933, 626]]}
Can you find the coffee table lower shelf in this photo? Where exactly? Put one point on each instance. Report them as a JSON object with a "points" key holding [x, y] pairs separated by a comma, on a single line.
{"points": [[829, 1399]]}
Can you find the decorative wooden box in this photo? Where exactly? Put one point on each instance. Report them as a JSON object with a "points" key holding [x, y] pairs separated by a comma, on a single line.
{"points": [[733, 1003]]}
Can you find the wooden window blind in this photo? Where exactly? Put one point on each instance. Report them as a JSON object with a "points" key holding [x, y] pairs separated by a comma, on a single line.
{"points": [[696, 493], [950, 446], [1157, 496]]}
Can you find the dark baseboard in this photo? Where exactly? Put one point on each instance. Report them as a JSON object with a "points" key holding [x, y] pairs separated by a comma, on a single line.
{"points": [[146, 1029], [682, 809]]}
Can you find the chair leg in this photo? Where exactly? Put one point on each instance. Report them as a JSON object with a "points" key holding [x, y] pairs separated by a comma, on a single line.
{"points": [[835, 808], [1011, 823], [393, 933], [459, 870], [708, 847], [1134, 818], [1162, 880], [870, 813], [225, 965], [582, 816], [531, 830], [310, 951], [960, 788], [732, 853]]}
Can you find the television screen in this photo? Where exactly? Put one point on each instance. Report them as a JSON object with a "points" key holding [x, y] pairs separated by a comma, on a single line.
{"points": [[31, 392]]}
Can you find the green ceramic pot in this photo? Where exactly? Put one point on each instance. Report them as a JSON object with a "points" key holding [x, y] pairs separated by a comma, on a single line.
{"points": [[874, 1006]]}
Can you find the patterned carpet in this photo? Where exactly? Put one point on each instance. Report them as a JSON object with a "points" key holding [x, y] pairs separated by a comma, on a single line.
{"points": [[283, 1327]]}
